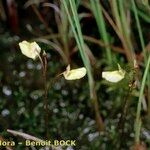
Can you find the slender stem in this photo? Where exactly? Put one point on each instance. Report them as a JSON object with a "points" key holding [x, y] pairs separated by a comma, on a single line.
{"points": [[119, 28], [138, 113], [143, 49], [76, 28], [97, 11], [99, 121], [43, 61], [125, 29], [45, 93], [139, 30], [126, 105]]}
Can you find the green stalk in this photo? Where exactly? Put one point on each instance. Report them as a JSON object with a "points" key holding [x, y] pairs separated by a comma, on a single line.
{"points": [[80, 46], [139, 29], [117, 17], [76, 28], [125, 27], [97, 11], [64, 31], [138, 120], [144, 16], [143, 48]]}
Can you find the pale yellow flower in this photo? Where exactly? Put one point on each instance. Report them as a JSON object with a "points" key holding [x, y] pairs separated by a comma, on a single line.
{"points": [[74, 73], [114, 76], [31, 50]]}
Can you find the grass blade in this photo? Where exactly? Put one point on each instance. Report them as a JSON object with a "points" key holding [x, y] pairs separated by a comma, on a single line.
{"points": [[76, 28], [138, 120], [97, 11]]}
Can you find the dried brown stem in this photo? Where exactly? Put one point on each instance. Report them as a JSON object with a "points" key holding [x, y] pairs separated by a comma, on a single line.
{"points": [[45, 93]]}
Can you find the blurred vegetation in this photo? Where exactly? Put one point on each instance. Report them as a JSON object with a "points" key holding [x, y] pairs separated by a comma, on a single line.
{"points": [[91, 33]]}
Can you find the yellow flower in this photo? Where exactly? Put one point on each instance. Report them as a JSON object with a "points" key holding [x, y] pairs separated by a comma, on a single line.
{"points": [[74, 73], [31, 50], [114, 76]]}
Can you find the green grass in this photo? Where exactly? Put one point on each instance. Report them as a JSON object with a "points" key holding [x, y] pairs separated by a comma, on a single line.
{"points": [[76, 28], [98, 14], [138, 113], [95, 34]]}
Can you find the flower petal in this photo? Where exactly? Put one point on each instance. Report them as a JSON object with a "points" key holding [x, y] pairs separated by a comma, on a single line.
{"points": [[75, 73], [31, 50], [114, 76]]}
